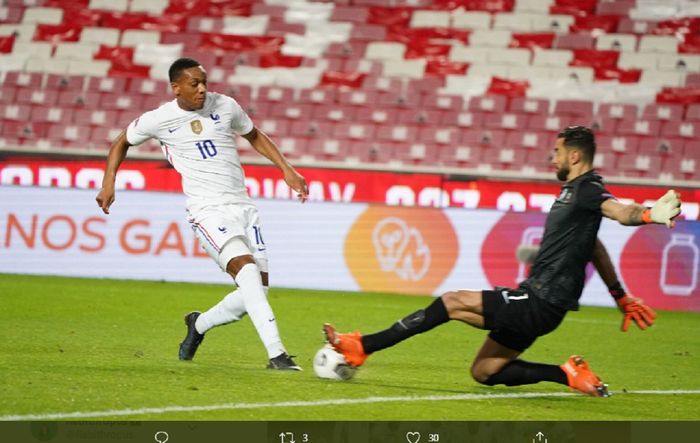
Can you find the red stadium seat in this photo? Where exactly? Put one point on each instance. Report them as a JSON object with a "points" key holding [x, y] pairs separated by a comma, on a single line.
{"points": [[7, 94], [635, 165], [418, 116], [329, 149], [378, 116], [84, 99], [399, 133], [439, 135], [274, 127], [15, 112], [292, 111], [48, 114], [23, 79], [665, 111], [505, 158], [617, 144], [368, 152], [639, 127], [462, 119], [120, 101], [459, 156], [416, 153], [691, 149], [689, 129], [46, 97], [317, 96], [354, 131], [491, 103], [551, 123], [333, 113], [94, 117], [620, 111], [582, 110], [452, 103], [525, 105], [510, 121], [540, 141], [65, 82], [660, 146]]}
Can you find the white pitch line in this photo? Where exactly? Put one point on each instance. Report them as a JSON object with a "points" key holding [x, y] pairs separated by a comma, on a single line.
{"points": [[295, 404]]}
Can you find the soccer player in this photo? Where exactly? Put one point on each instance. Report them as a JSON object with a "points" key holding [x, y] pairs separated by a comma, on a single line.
{"points": [[196, 132], [516, 317]]}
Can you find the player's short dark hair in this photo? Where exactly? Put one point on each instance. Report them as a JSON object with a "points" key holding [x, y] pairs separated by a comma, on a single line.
{"points": [[581, 138], [180, 65]]}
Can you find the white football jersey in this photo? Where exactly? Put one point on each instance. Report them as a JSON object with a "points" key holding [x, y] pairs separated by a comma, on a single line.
{"points": [[201, 147]]}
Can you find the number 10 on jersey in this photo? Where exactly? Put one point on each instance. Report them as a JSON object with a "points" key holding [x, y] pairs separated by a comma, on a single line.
{"points": [[206, 148]]}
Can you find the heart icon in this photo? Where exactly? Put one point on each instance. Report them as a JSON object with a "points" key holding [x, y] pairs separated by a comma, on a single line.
{"points": [[413, 437]]}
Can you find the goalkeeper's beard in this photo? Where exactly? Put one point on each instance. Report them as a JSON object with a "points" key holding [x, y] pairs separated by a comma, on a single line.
{"points": [[563, 173]]}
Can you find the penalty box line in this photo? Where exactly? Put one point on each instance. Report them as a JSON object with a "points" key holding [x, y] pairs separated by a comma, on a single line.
{"points": [[312, 403]]}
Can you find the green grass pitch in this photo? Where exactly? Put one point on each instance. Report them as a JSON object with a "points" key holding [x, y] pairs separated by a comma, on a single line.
{"points": [[80, 348]]}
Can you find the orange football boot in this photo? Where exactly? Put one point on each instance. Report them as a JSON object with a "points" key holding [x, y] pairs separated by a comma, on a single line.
{"points": [[349, 345], [582, 379]]}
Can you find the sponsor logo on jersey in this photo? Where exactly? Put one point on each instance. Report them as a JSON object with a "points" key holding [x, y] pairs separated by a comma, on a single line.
{"points": [[565, 196], [196, 126], [216, 118], [171, 130]]}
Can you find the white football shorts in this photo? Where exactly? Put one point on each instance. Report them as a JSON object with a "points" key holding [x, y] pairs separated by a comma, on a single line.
{"points": [[216, 227]]}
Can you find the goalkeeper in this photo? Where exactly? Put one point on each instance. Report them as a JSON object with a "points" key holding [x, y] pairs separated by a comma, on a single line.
{"points": [[515, 318]]}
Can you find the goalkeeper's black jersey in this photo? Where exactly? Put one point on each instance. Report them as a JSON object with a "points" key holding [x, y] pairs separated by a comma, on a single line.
{"points": [[559, 271]]}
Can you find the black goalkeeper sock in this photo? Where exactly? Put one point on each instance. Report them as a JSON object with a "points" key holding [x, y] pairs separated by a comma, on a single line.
{"points": [[520, 372], [420, 321]]}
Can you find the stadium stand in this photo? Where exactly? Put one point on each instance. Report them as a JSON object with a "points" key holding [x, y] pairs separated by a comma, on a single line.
{"points": [[479, 85]]}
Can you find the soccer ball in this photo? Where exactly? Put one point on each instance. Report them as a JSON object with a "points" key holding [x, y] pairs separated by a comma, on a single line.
{"points": [[331, 365]]}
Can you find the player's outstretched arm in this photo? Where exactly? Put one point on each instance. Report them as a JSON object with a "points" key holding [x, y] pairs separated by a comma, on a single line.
{"points": [[633, 308], [268, 149], [117, 153], [664, 211]]}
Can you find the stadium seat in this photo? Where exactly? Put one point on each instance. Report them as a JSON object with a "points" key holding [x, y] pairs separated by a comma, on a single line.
{"points": [[495, 103], [15, 112], [617, 144], [367, 152], [574, 41], [665, 111], [619, 111], [48, 114], [416, 153], [459, 156], [462, 19], [658, 43], [639, 127], [329, 149], [635, 165], [660, 146], [84, 117], [398, 133], [688, 129], [7, 94]]}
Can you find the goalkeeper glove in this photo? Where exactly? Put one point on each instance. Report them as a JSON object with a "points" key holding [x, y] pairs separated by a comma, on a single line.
{"points": [[664, 210], [634, 309]]}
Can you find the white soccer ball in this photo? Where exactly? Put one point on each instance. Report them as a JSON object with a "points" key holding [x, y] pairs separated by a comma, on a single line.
{"points": [[331, 365]]}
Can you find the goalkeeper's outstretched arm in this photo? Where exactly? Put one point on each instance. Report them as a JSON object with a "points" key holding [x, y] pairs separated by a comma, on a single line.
{"points": [[664, 211]]}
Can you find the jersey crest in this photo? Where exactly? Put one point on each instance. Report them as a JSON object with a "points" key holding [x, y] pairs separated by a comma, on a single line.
{"points": [[196, 126]]}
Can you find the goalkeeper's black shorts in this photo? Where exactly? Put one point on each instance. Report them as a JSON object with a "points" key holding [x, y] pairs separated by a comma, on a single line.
{"points": [[516, 318]]}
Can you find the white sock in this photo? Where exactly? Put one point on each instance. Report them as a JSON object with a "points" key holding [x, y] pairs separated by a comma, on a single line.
{"points": [[229, 310], [254, 296]]}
